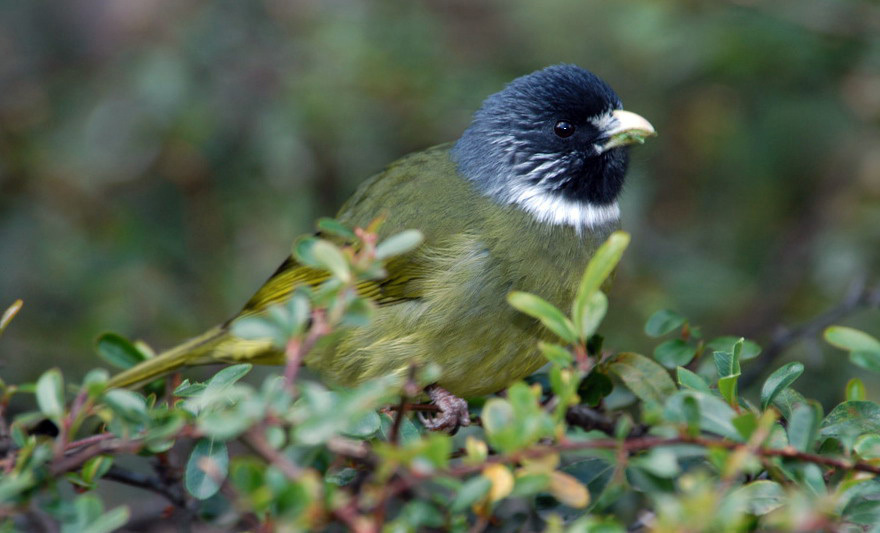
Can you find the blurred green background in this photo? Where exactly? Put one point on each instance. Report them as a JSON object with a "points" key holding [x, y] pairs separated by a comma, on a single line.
{"points": [[158, 157]]}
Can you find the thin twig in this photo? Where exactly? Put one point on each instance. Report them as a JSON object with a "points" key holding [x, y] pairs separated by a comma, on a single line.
{"points": [[297, 349], [633, 445], [150, 483], [74, 460], [410, 389], [589, 419], [257, 441], [859, 297], [89, 440]]}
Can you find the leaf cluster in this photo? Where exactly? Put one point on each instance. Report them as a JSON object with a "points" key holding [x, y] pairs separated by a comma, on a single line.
{"points": [[595, 434]]}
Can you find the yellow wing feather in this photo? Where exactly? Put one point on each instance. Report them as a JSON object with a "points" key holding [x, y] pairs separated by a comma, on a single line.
{"points": [[396, 287]]}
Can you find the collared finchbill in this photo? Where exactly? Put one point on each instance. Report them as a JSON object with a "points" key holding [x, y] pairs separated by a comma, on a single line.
{"points": [[626, 127]]}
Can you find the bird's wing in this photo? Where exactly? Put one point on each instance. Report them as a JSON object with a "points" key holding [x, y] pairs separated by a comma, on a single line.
{"points": [[417, 192], [396, 287]]}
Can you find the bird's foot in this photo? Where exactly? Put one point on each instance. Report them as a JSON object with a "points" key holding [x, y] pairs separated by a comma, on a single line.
{"points": [[453, 411]]}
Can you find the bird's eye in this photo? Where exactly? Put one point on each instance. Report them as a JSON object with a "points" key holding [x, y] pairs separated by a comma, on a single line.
{"points": [[564, 129]]}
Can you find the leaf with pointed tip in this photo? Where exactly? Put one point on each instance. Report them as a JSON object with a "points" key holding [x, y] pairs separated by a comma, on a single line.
{"points": [[690, 380], [119, 351], [779, 380], [399, 244], [600, 266], [662, 322], [552, 318], [334, 227]]}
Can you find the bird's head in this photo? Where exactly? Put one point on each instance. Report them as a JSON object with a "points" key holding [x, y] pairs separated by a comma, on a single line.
{"points": [[554, 143]]}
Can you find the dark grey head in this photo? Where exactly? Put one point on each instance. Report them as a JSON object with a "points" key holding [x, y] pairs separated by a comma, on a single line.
{"points": [[554, 143]]}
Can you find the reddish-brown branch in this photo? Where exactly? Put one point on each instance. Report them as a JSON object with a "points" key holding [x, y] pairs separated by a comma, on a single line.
{"points": [[297, 349], [632, 445], [256, 439], [72, 461]]}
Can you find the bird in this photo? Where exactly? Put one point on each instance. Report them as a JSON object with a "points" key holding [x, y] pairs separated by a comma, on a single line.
{"points": [[520, 201]]}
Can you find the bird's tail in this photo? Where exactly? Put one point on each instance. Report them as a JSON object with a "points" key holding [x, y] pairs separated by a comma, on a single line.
{"points": [[192, 352]]}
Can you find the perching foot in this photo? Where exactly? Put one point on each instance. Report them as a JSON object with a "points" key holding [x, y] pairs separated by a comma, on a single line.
{"points": [[453, 411]]}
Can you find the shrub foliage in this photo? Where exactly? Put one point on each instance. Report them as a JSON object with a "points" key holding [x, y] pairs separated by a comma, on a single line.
{"points": [[599, 440]]}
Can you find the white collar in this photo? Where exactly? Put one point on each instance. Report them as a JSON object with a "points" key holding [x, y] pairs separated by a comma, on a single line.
{"points": [[551, 208]]}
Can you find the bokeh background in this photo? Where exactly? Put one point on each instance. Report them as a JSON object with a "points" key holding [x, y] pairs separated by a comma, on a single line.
{"points": [[158, 157]]}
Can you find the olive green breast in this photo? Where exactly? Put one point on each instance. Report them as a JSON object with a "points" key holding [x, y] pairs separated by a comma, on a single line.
{"points": [[475, 252]]}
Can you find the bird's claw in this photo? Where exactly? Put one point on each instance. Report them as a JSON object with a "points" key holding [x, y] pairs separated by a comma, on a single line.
{"points": [[453, 411]]}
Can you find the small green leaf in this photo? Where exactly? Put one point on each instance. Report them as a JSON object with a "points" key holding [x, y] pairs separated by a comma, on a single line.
{"points": [[868, 446], [229, 375], [255, 328], [715, 415], [127, 404], [727, 363], [727, 388], [497, 415], [674, 352], [601, 266], [661, 462], [745, 424], [96, 467], [690, 380], [691, 411], [867, 360], [50, 393], [302, 251], [851, 339], [855, 390], [863, 506], [555, 353], [663, 322], [330, 257], [547, 313], [750, 349], [119, 351], [206, 468], [298, 312], [592, 314], [645, 378], [334, 227], [187, 389], [9, 314], [779, 380], [787, 400], [364, 426], [472, 491], [852, 419], [761, 497], [803, 426], [399, 244], [107, 522]]}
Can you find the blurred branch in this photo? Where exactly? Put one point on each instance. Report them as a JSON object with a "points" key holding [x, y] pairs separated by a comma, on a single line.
{"points": [[150, 483], [841, 19], [589, 419], [858, 298]]}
